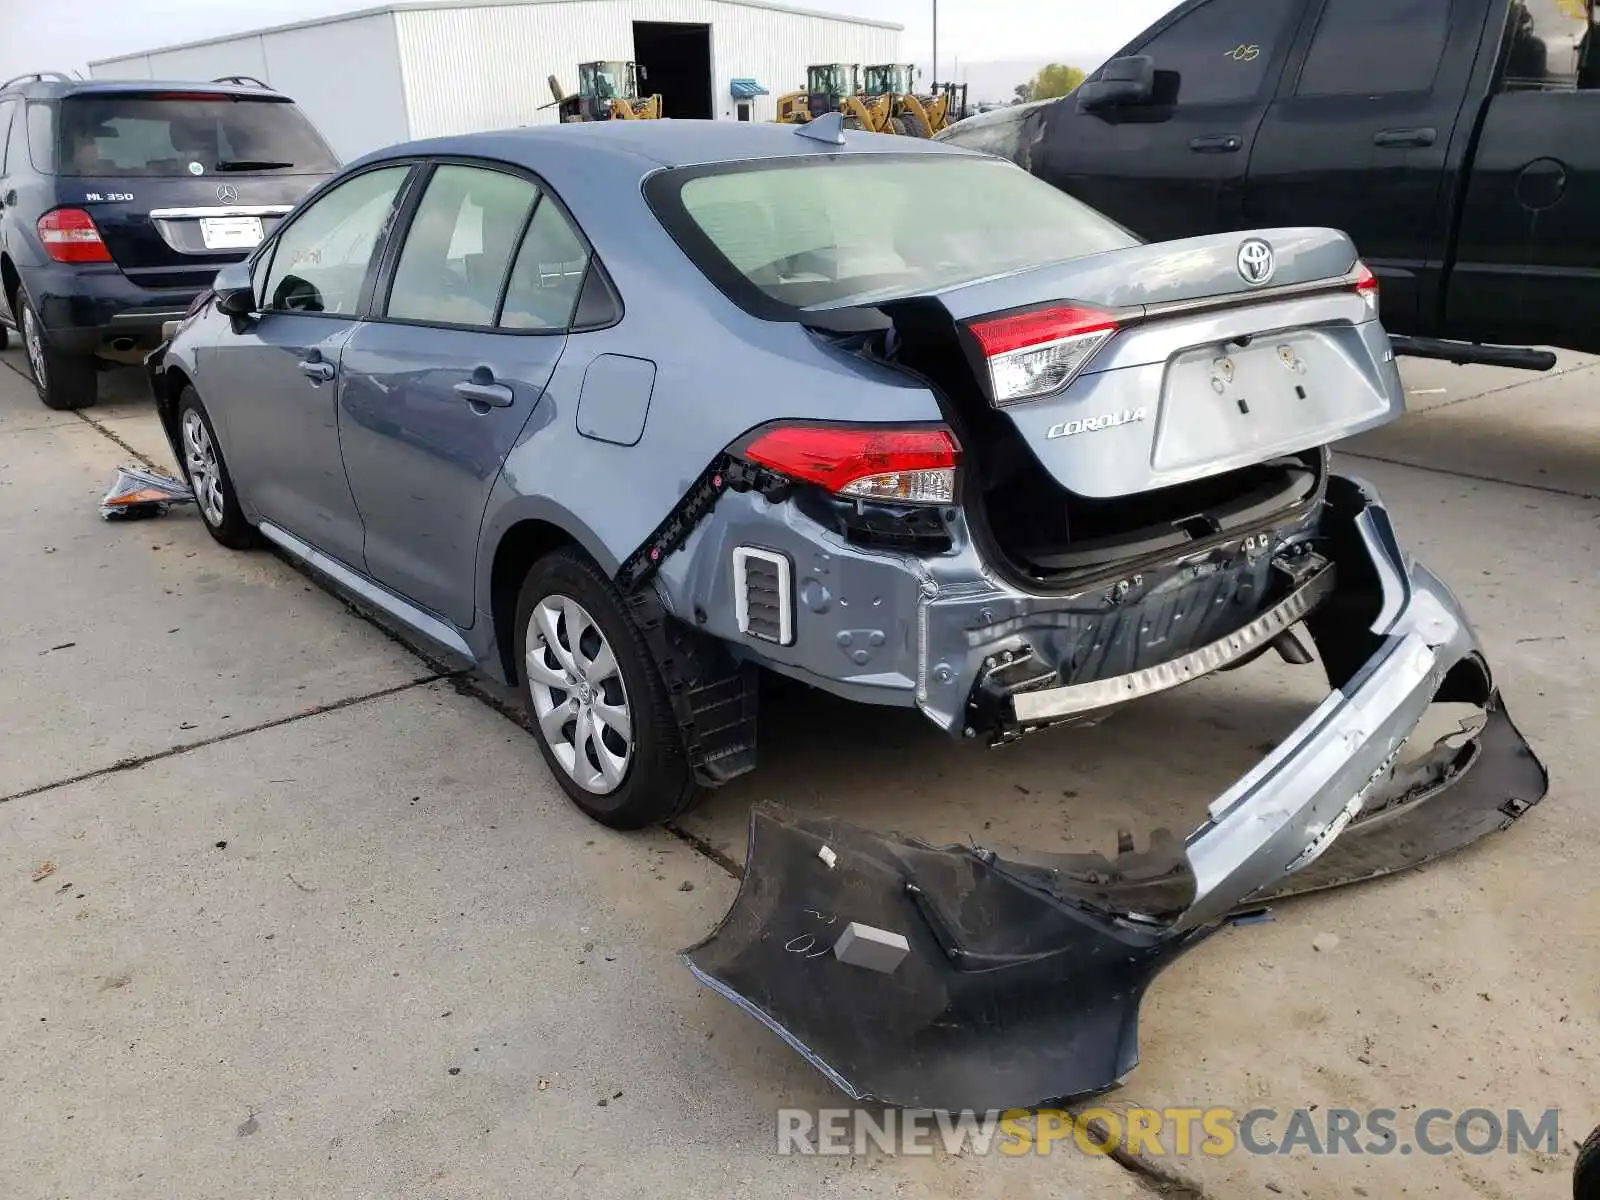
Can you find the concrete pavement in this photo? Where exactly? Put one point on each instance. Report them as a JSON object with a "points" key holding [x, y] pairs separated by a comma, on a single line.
{"points": [[320, 924]]}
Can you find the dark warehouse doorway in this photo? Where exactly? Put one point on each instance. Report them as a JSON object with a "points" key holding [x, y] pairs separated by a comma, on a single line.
{"points": [[676, 63]]}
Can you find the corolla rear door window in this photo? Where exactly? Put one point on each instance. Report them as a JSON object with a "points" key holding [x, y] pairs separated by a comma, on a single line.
{"points": [[457, 252]]}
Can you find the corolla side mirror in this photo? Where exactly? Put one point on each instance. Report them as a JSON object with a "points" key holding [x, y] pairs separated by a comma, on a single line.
{"points": [[236, 296], [1123, 81]]}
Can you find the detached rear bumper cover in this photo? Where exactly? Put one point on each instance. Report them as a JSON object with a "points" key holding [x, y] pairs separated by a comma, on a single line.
{"points": [[1022, 980]]}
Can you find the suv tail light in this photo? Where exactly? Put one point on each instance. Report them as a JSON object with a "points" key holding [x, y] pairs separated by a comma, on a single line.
{"points": [[895, 466], [70, 236], [1367, 285], [1036, 353]]}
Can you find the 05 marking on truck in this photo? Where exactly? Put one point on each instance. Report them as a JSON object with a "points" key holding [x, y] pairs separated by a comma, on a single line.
{"points": [[1243, 52], [1090, 424]]}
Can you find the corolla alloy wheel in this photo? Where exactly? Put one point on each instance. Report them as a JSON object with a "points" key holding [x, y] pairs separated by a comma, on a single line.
{"points": [[578, 694], [33, 342], [205, 475]]}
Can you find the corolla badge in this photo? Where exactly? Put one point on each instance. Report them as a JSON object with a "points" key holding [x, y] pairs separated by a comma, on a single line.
{"points": [[228, 194], [1255, 262], [1091, 424]]}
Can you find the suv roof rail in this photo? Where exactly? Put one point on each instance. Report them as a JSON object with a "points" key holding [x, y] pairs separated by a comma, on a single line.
{"points": [[41, 76], [242, 81]]}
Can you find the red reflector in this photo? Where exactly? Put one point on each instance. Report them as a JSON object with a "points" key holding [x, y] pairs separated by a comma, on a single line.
{"points": [[835, 457], [1366, 281], [1002, 335], [69, 235]]}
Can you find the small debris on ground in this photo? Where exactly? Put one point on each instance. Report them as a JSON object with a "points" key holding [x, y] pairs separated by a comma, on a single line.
{"points": [[686, 886], [223, 845], [138, 493], [43, 871], [544, 1085], [1325, 942], [455, 1070]]}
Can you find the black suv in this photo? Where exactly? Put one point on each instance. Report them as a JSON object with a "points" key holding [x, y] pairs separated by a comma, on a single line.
{"points": [[120, 200]]}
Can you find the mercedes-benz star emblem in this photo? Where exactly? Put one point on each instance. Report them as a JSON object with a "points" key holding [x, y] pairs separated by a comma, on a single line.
{"points": [[229, 194], [1255, 262]]}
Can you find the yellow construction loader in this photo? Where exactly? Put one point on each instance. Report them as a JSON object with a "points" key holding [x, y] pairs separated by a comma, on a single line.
{"points": [[836, 87], [917, 116], [607, 91]]}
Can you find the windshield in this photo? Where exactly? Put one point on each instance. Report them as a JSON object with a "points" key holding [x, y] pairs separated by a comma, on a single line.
{"points": [[820, 233], [179, 134]]}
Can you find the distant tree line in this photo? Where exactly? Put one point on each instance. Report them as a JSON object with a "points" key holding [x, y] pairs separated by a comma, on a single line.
{"points": [[1055, 80]]}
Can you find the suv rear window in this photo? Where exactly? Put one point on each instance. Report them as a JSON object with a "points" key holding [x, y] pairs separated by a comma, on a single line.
{"points": [[799, 233], [181, 134]]}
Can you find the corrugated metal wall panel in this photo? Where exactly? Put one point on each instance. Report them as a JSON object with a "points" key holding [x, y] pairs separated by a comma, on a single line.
{"points": [[486, 68], [133, 66], [345, 75]]}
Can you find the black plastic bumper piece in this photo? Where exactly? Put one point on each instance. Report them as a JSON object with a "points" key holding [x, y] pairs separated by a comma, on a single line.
{"points": [[1008, 996]]}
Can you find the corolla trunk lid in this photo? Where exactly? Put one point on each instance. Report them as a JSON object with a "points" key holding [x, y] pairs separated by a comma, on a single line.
{"points": [[1156, 364]]}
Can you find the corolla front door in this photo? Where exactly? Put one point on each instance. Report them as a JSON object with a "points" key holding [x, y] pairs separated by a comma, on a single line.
{"points": [[279, 417]]}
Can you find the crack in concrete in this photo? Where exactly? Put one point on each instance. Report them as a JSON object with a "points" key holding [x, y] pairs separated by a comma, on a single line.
{"points": [[111, 436], [140, 760], [1555, 373]]}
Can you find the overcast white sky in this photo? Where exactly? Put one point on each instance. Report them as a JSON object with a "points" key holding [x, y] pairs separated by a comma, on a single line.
{"points": [[65, 34]]}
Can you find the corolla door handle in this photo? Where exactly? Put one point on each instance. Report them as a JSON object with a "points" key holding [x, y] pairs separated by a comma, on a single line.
{"points": [[1217, 143], [1402, 138], [316, 370], [477, 391]]}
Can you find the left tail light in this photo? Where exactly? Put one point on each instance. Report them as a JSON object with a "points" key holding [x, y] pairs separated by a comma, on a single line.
{"points": [[71, 236], [893, 466], [1367, 286], [1038, 353]]}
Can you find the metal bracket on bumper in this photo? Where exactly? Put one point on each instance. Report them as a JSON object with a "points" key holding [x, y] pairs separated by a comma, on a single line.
{"points": [[1021, 980]]}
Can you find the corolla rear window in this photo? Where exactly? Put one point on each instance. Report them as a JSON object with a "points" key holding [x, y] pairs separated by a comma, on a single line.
{"points": [[788, 234], [187, 133]]}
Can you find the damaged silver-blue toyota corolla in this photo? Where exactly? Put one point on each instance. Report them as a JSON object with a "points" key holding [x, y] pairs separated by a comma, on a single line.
{"points": [[624, 413]]}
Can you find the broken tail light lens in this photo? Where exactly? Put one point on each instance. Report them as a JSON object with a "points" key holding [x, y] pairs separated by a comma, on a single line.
{"points": [[892, 466], [1037, 353], [1367, 286], [70, 236]]}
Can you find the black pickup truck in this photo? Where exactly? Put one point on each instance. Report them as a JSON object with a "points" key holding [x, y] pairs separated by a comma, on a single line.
{"points": [[1456, 141]]}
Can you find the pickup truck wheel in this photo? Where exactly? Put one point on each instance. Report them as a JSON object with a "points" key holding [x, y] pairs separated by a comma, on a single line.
{"points": [[208, 477], [61, 381], [596, 699]]}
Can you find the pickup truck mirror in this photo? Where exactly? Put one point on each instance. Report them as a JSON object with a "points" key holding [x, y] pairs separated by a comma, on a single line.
{"points": [[1122, 81], [236, 295]]}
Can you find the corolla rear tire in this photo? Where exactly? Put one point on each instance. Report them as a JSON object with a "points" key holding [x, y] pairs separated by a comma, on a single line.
{"points": [[207, 473], [595, 697], [63, 382]]}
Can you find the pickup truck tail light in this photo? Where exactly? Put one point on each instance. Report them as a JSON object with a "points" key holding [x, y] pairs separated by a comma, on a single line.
{"points": [[1037, 353], [891, 466], [1367, 286], [70, 236]]}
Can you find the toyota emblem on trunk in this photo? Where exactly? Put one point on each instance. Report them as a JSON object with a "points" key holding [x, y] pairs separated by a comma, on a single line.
{"points": [[229, 194], [1255, 262]]}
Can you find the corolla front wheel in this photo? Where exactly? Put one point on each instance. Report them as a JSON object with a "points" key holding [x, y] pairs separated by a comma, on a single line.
{"points": [[596, 698], [207, 472]]}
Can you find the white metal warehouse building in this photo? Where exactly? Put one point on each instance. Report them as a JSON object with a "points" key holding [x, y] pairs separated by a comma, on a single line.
{"points": [[410, 70]]}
